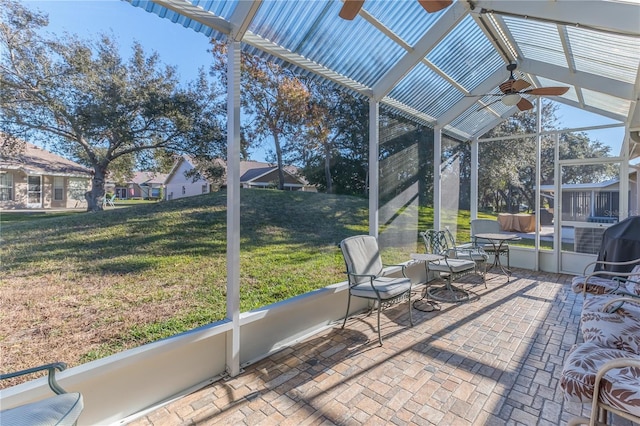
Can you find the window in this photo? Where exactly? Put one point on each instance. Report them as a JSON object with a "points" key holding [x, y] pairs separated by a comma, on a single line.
{"points": [[205, 188], [6, 187], [58, 189]]}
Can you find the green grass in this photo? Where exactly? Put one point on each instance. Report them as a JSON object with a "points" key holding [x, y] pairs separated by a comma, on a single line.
{"points": [[127, 276], [11, 217], [91, 284]]}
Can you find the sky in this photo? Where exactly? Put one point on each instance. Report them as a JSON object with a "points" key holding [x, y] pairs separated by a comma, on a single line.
{"points": [[187, 50]]}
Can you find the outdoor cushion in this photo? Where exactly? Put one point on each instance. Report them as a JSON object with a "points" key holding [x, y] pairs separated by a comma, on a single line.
{"points": [[619, 329], [620, 387], [60, 410], [633, 285], [601, 284], [455, 265], [387, 288]]}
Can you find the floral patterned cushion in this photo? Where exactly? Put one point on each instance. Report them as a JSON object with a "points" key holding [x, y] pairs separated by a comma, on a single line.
{"points": [[620, 387], [618, 330], [633, 286], [604, 284], [595, 285]]}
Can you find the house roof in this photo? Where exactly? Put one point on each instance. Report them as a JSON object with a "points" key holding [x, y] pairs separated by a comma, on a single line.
{"points": [[37, 161], [252, 171], [443, 68], [140, 178]]}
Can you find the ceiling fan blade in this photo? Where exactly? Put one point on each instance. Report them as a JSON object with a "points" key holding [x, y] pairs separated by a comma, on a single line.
{"points": [[519, 85], [547, 91], [524, 105], [506, 87], [432, 6], [350, 9]]}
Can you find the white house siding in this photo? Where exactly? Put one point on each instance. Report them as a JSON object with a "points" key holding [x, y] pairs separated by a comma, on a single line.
{"points": [[179, 186]]}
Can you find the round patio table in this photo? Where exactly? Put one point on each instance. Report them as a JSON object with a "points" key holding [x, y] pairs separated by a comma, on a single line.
{"points": [[498, 241], [447, 293]]}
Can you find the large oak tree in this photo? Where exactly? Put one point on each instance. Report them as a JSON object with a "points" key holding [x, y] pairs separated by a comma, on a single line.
{"points": [[94, 106]]}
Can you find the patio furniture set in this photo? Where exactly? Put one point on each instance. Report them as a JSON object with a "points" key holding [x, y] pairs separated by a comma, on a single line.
{"points": [[368, 277], [604, 370]]}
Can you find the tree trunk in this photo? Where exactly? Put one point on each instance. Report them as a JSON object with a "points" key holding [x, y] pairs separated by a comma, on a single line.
{"points": [[327, 169], [276, 141], [95, 197]]}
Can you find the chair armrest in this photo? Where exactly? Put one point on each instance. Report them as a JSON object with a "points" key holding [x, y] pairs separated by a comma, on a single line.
{"points": [[53, 384], [618, 301], [373, 277], [606, 262], [402, 265]]}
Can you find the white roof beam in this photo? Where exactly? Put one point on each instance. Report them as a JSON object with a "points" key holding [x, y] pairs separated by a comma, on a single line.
{"points": [[585, 80], [450, 18], [303, 63], [242, 16], [617, 17], [464, 104], [196, 13]]}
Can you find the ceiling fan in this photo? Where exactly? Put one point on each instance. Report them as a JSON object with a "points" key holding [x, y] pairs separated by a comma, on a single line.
{"points": [[513, 89], [350, 8]]}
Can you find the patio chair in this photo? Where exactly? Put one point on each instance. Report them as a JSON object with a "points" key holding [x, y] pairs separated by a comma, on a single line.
{"points": [[62, 409], [435, 242], [603, 281], [111, 200], [365, 273], [468, 251], [488, 226]]}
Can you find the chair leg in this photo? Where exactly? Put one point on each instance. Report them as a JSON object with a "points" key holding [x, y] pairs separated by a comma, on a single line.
{"points": [[347, 314], [379, 331], [410, 314]]}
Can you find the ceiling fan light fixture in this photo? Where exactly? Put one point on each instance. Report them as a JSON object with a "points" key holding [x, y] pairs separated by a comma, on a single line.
{"points": [[511, 99]]}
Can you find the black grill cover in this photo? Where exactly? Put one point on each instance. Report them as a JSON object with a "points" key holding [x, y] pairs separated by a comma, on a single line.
{"points": [[621, 242]]}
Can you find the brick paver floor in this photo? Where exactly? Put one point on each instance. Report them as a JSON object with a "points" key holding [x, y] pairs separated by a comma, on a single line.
{"points": [[494, 360]]}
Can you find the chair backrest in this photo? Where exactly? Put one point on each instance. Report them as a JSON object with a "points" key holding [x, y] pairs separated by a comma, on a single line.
{"points": [[633, 283], [361, 256], [451, 240], [435, 242], [480, 226]]}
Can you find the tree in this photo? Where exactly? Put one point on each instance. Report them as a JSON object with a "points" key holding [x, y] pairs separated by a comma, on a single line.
{"points": [[508, 167], [89, 103], [277, 100], [337, 141]]}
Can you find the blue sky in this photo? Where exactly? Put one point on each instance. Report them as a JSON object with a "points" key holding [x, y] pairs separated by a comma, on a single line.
{"points": [[187, 50]]}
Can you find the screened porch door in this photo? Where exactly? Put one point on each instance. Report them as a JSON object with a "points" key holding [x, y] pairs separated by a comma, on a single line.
{"points": [[587, 204]]}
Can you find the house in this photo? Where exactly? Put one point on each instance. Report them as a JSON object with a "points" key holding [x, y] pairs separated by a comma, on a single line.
{"points": [[253, 174], [38, 179], [143, 185], [595, 202], [178, 185]]}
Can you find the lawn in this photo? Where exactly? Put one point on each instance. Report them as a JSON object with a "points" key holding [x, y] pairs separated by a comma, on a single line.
{"points": [[83, 286]]}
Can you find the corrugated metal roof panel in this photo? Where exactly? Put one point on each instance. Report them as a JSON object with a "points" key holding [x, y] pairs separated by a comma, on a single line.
{"points": [[608, 55], [420, 88], [466, 55], [606, 102], [312, 29], [537, 40], [409, 22]]}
